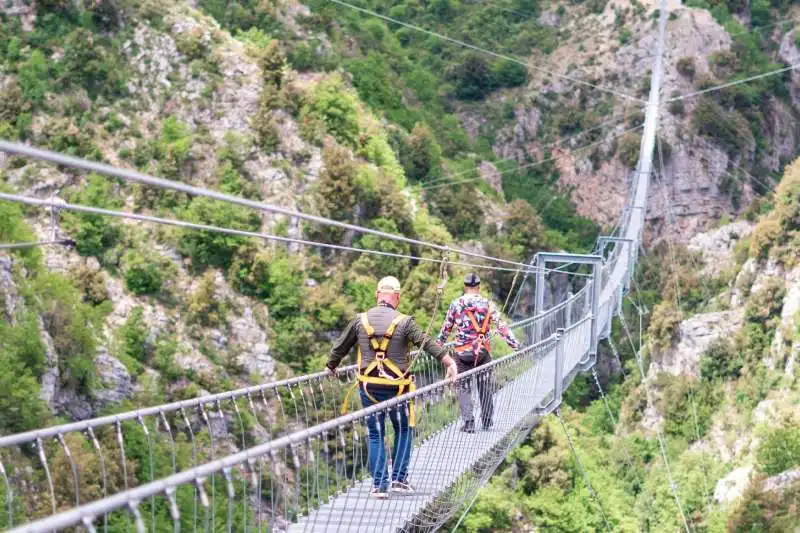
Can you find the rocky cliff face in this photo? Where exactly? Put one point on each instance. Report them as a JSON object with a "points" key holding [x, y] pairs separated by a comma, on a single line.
{"points": [[163, 84], [694, 189], [736, 433]]}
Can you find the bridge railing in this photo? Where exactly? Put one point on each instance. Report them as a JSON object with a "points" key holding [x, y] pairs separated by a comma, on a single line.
{"points": [[281, 485], [45, 471]]}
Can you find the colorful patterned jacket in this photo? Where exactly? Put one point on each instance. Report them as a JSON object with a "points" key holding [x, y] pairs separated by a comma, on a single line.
{"points": [[469, 329]]}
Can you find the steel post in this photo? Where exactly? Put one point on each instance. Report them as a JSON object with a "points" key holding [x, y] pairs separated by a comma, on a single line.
{"points": [[558, 385], [568, 321], [597, 291], [538, 309]]}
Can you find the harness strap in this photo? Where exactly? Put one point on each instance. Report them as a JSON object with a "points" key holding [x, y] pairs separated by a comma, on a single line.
{"points": [[381, 363], [482, 340]]}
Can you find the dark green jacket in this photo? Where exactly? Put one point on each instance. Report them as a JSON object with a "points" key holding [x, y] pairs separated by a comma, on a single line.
{"points": [[408, 333]]}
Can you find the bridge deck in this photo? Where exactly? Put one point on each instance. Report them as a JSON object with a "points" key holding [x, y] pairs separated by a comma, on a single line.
{"points": [[436, 463]]}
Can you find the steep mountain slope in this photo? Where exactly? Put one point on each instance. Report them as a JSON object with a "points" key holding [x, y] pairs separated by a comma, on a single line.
{"points": [[317, 107], [145, 314], [720, 150], [720, 351]]}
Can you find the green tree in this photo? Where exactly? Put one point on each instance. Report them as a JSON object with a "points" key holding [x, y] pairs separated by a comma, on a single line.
{"points": [[721, 360], [473, 78], [273, 64], [285, 286], [20, 406], [421, 155], [275, 277], [143, 275], [12, 101], [336, 108], [729, 128], [780, 450], [21, 343], [377, 87], [760, 12], [336, 191], [459, 209], [71, 325], [210, 249], [203, 305], [89, 64], [628, 149], [133, 336], [34, 77], [509, 73], [14, 229], [524, 228], [94, 234], [379, 266], [773, 511]]}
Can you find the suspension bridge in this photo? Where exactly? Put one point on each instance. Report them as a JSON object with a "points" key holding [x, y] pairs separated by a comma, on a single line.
{"points": [[279, 456], [309, 472]]}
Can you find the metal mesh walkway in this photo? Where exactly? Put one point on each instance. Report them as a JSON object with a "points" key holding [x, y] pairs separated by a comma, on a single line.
{"points": [[441, 461]]}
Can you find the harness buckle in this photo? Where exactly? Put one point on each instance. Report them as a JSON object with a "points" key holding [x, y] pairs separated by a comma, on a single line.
{"points": [[380, 356]]}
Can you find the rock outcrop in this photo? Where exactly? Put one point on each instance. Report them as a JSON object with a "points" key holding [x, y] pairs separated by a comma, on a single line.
{"points": [[790, 54], [250, 340], [115, 381], [699, 176], [696, 335], [717, 246], [785, 349], [8, 289], [733, 485], [491, 175], [781, 481], [24, 9]]}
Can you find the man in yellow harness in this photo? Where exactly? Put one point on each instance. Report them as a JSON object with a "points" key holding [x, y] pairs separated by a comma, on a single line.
{"points": [[473, 315], [382, 336]]}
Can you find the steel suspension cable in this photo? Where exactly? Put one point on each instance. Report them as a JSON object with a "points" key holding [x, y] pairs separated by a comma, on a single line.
{"points": [[582, 468], [536, 163], [615, 121], [138, 177], [729, 84], [628, 455], [661, 444], [24, 245], [484, 50], [680, 310], [242, 233]]}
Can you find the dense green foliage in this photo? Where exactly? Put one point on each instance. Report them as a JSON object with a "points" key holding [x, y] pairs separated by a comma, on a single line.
{"points": [[780, 451], [49, 303], [209, 249], [94, 234], [541, 484], [734, 117], [386, 115]]}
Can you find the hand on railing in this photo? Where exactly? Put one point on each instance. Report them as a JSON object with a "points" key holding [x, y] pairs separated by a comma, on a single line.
{"points": [[452, 372]]}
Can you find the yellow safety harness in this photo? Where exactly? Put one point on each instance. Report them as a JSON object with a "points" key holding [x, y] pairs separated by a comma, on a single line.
{"points": [[388, 372]]}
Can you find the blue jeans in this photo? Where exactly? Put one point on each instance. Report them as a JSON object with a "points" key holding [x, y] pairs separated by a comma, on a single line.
{"points": [[376, 427]]}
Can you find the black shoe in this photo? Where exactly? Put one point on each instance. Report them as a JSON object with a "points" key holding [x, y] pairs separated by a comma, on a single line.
{"points": [[488, 425], [468, 427]]}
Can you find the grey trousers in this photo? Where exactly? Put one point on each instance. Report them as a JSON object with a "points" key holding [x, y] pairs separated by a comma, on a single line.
{"points": [[485, 389]]}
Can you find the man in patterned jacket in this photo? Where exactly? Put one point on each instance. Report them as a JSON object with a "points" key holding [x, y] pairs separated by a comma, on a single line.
{"points": [[473, 316]]}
